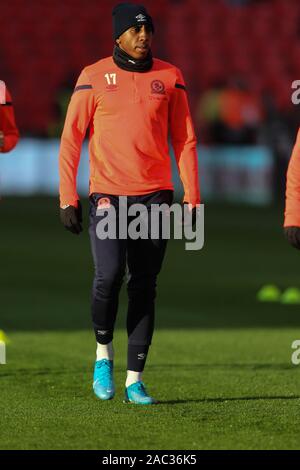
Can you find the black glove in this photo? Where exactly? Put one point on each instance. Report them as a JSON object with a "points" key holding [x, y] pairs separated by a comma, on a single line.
{"points": [[293, 236], [71, 217]]}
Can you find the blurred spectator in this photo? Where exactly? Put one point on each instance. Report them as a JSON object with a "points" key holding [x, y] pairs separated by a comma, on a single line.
{"points": [[61, 105], [208, 114], [231, 114], [241, 113], [9, 134]]}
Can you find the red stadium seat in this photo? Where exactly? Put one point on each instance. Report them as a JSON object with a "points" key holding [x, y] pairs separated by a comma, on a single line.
{"points": [[209, 40]]}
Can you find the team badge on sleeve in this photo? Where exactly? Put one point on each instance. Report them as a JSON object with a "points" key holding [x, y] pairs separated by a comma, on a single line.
{"points": [[2, 92], [103, 203]]}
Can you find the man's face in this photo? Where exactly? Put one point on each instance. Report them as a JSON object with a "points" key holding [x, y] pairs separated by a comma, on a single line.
{"points": [[136, 41]]}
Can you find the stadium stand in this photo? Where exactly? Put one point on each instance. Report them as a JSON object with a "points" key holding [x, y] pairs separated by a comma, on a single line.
{"points": [[50, 41]]}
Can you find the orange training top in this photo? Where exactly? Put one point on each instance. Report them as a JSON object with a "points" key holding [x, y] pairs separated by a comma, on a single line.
{"points": [[292, 201], [130, 115], [7, 122]]}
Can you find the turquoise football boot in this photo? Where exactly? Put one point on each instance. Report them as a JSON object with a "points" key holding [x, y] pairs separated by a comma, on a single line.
{"points": [[136, 393], [103, 384]]}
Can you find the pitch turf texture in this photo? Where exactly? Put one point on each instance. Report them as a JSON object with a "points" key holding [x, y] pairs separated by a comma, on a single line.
{"points": [[220, 363]]}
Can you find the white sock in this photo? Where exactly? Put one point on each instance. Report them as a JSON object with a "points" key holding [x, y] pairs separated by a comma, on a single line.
{"points": [[105, 351], [133, 377]]}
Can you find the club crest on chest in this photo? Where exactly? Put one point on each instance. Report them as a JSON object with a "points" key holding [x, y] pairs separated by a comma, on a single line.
{"points": [[158, 87]]}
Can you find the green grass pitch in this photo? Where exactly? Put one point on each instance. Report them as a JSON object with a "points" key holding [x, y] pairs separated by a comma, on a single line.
{"points": [[220, 363]]}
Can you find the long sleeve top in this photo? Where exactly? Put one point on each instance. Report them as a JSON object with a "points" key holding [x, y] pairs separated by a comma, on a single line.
{"points": [[130, 115], [7, 120]]}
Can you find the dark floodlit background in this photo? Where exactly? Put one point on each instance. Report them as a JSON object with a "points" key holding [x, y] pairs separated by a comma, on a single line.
{"points": [[239, 59]]}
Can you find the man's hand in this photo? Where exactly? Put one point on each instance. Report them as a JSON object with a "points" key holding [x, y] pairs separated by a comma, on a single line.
{"points": [[293, 236], [71, 217], [191, 214], [1, 139]]}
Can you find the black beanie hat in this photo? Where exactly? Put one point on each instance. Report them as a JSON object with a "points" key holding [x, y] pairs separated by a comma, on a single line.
{"points": [[126, 15]]}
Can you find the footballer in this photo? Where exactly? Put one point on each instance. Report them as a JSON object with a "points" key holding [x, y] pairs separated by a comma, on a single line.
{"points": [[9, 134], [131, 102]]}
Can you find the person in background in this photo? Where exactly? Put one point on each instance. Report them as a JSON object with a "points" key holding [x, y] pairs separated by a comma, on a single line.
{"points": [[9, 134], [230, 113], [292, 198]]}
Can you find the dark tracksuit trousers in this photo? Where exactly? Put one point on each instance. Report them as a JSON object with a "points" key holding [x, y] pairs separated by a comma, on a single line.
{"points": [[143, 258]]}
